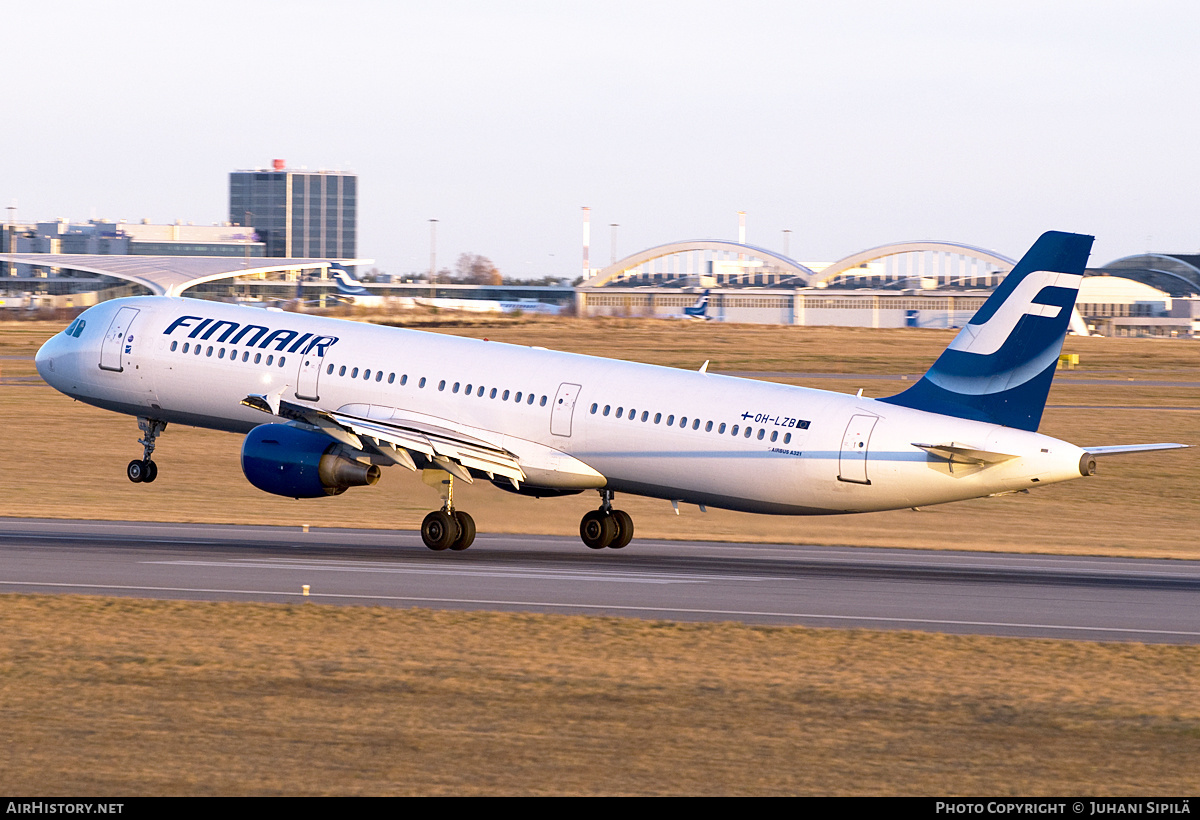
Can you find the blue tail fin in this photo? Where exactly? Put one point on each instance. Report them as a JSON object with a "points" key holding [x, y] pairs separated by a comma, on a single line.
{"points": [[347, 285], [999, 367]]}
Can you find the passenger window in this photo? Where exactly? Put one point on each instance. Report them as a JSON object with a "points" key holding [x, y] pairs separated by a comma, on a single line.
{"points": [[282, 359], [392, 378], [761, 432], [492, 395], [441, 384], [209, 353], [329, 370], [594, 406], [787, 438], [455, 390], [270, 358], [734, 431], [707, 427], [221, 353], [196, 350], [721, 429], [504, 397], [173, 344], [366, 375], [683, 421], [645, 415], [257, 357], [607, 407], [480, 393], [245, 355], [531, 397], [747, 433], [696, 424], [341, 370], [542, 402], [353, 373], [379, 376], [657, 418], [774, 435], [517, 398], [670, 419], [620, 411], [404, 380], [421, 383], [186, 347]]}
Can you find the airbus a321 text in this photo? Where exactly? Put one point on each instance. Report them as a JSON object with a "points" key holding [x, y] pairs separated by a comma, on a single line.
{"points": [[324, 404]]}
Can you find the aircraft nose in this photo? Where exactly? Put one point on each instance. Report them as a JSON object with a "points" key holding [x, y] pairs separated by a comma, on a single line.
{"points": [[47, 355]]}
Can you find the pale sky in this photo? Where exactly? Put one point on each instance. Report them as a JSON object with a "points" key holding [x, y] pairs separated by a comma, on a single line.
{"points": [[851, 124]]}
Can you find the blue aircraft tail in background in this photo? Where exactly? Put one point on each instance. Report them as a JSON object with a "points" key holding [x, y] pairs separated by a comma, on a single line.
{"points": [[999, 367], [698, 310], [347, 285]]}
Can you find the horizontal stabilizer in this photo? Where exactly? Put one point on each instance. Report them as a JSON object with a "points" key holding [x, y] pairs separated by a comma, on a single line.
{"points": [[959, 454], [1132, 448]]}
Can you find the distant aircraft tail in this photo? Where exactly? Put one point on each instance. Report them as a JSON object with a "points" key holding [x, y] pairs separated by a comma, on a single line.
{"points": [[347, 285], [700, 309], [999, 367]]}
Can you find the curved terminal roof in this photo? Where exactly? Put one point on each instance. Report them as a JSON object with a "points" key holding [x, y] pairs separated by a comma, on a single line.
{"points": [[1175, 274], [854, 260], [619, 267], [171, 275]]}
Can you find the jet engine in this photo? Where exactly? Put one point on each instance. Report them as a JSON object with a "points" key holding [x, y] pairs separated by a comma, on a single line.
{"points": [[298, 463]]}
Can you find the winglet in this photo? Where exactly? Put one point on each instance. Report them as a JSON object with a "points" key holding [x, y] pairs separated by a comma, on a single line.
{"points": [[999, 367]]}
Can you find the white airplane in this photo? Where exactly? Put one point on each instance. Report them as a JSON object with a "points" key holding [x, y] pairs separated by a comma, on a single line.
{"points": [[324, 403]]}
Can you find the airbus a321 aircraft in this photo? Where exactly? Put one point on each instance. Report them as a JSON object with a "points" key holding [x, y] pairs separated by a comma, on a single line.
{"points": [[325, 403]]}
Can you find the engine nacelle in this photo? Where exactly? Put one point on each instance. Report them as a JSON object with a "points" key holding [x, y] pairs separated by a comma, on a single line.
{"points": [[299, 463]]}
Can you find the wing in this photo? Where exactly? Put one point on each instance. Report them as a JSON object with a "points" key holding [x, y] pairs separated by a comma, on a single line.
{"points": [[398, 439]]}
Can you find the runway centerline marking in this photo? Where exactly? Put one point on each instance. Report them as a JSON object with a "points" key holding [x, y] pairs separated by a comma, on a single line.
{"points": [[416, 569]]}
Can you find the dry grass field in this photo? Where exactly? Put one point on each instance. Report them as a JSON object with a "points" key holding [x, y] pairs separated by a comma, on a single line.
{"points": [[105, 696], [68, 459]]}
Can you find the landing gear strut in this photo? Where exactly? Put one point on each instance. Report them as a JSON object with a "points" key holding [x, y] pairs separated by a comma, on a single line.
{"points": [[446, 528], [606, 527], [144, 470]]}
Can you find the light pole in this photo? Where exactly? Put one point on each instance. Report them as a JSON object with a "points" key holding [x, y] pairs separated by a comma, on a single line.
{"points": [[432, 257], [613, 255], [787, 235]]}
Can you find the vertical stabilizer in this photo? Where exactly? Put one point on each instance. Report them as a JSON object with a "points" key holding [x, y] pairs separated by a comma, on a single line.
{"points": [[999, 367]]}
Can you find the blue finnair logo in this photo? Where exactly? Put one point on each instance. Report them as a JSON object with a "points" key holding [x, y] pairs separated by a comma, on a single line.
{"points": [[987, 372], [260, 336], [999, 367]]}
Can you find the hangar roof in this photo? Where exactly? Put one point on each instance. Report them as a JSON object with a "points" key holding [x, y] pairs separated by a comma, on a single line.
{"points": [[171, 275]]}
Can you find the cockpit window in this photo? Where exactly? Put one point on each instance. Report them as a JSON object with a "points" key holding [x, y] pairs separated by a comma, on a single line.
{"points": [[76, 327]]}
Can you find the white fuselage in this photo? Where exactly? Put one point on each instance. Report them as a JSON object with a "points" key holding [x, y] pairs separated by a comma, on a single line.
{"points": [[654, 431]]}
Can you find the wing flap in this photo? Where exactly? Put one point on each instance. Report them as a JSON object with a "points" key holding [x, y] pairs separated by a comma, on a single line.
{"points": [[395, 439]]}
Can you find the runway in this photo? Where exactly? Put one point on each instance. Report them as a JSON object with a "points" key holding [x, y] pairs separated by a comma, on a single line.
{"points": [[1086, 598]]}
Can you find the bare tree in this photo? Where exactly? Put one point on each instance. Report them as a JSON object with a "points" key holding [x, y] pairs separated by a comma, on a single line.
{"points": [[473, 269]]}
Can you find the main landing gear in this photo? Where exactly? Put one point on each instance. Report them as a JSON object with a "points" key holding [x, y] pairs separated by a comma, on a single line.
{"points": [[606, 527], [446, 528], [144, 470]]}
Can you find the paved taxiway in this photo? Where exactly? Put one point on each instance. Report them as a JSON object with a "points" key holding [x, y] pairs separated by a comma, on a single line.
{"points": [[989, 593]]}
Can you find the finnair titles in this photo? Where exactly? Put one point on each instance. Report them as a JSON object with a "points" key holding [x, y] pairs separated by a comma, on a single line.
{"points": [[324, 404]]}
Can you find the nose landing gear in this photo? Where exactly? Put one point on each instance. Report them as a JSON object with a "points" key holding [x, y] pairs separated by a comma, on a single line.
{"points": [[143, 470], [606, 527]]}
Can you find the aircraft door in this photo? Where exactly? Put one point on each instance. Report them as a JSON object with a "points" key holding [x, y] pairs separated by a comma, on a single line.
{"points": [[117, 340], [564, 409], [309, 375], [852, 464]]}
